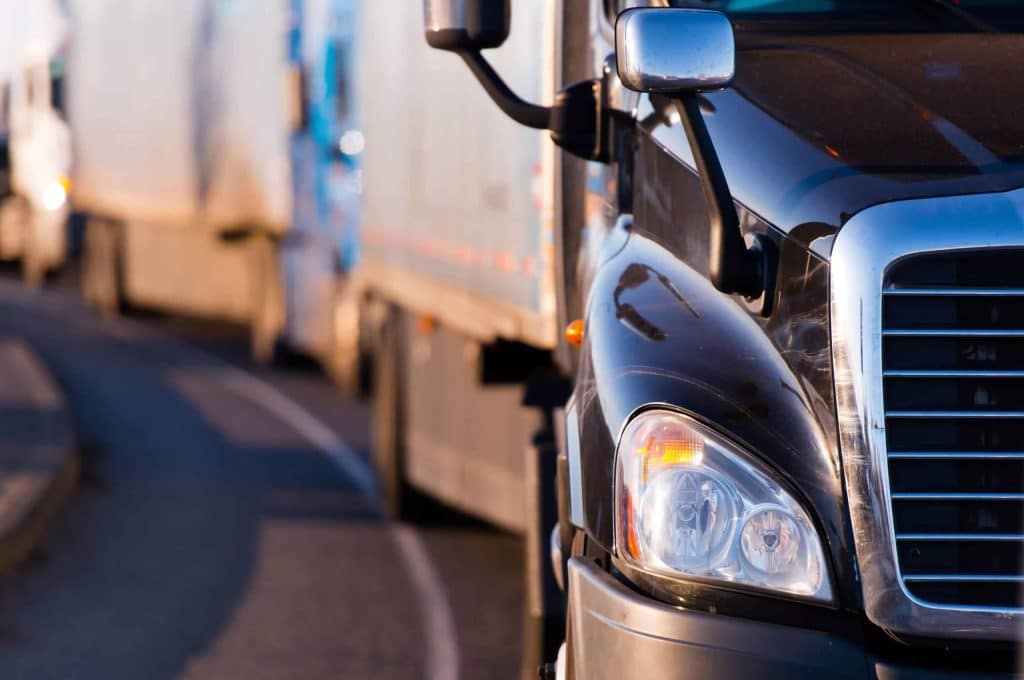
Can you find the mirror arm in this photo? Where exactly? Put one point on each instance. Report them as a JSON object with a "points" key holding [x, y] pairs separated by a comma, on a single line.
{"points": [[522, 112], [734, 268], [578, 121]]}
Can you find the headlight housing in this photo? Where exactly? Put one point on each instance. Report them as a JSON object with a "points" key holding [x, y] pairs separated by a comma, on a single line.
{"points": [[689, 503]]}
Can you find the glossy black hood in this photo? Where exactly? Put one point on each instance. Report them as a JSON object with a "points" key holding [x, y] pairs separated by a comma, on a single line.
{"points": [[920, 105], [816, 129]]}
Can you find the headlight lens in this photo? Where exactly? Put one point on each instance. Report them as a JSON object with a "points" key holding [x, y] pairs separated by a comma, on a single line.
{"points": [[691, 503], [55, 195]]}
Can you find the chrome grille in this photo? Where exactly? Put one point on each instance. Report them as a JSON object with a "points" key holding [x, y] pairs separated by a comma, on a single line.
{"points": [[953, 383], [954, 249]]}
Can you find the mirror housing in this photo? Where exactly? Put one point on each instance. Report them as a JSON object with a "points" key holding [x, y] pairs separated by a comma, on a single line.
{"points": [[466, 25], [680, 53], [578, 121], [674, 51]]}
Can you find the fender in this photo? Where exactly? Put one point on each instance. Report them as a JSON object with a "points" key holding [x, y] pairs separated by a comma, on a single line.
{"points": [[659, 334]]}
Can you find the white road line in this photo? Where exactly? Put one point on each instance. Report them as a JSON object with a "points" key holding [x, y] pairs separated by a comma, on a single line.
{"points": [[438, 622], [351, 465], [443, 658]]}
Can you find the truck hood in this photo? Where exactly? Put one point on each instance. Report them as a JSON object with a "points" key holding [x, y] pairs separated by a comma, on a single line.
{"points": [[816, 129]]}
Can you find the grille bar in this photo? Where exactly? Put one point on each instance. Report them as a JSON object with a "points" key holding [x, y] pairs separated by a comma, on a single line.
{"points": [[951, 373], [953, 333], [965, 578], [954, 414], [954, 292], [961, 537], [919, 496], [956, 455]]}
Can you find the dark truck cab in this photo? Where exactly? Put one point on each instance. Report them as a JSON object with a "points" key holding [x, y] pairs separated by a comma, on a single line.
{"points": [[795, 444]]}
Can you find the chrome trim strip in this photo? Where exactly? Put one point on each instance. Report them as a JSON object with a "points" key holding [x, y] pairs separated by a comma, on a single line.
{"points": [[956, 455], [869, 243], [967, 578], [932, 415], [960, 537], [910, 373], [938, 496], [952, 292], [951, 333], [572, 452]]}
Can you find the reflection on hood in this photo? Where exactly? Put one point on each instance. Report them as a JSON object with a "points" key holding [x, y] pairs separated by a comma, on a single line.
{"points": [[909, 104]]}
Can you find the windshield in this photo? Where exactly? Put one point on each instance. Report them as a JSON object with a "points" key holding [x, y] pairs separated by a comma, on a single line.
{"points": [[912, 15]]}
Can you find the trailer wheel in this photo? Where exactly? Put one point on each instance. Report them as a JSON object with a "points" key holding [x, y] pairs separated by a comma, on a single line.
{"points": [[343, 358], [267, 318], [102, 284]]}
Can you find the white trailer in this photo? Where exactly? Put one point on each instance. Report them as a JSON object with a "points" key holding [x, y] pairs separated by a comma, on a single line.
{"points": [[458, 261], [182, 120], [458, 271], [35, 138]]}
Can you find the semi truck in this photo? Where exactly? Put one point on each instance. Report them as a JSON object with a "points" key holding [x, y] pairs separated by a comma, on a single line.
{"points": [[35, 142], [793, 231], [207, 159]]}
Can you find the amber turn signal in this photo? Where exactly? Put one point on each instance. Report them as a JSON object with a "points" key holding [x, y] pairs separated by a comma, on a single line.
{"points": [[574, 333], [426, 324]]}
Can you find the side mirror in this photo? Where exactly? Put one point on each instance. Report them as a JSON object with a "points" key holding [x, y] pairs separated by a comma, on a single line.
{"points": [[674, 51], [466, 25], [578, 120], [680, 53]]}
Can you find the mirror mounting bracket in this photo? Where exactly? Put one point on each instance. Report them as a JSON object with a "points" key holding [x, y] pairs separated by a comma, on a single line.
{"points": [[733, 266], [579, 121], [517, 109]]}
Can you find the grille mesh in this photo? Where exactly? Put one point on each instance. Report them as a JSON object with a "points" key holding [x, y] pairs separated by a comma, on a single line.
{"points": [[953, 360]]}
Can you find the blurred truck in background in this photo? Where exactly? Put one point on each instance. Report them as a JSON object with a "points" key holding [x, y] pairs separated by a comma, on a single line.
{"points": [[323, 243], [35, 142], [193, 127]]}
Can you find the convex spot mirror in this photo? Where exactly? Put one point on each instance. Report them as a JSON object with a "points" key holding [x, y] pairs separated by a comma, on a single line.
{"points": [[465, 24], [674, 51]]}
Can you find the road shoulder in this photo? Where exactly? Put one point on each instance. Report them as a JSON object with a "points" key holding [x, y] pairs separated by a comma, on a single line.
{"points": [[38, 453]]}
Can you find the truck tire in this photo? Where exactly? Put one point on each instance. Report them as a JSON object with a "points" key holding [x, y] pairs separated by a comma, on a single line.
{"points": [[102, 281], [33, 265], [267, 320], [14, 216], [399, 499]]}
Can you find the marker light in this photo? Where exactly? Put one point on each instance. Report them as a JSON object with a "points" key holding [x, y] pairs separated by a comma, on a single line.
{"points": [[574, 332], [692, 504]]}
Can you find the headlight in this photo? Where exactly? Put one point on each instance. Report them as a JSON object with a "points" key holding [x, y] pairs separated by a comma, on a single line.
{"points": [[690, 503], [55, 195]]}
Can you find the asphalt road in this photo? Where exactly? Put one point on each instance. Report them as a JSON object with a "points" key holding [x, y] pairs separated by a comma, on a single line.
{"points": [[223, 527]]}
